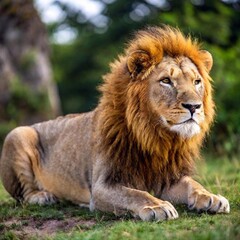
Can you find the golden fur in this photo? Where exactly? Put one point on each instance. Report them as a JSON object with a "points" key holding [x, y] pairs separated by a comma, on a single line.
{"points": [[143, 137]]}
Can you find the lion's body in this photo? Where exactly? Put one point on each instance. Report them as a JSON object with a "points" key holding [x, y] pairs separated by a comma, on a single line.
{"points": [[155, 109], [62, 145]]}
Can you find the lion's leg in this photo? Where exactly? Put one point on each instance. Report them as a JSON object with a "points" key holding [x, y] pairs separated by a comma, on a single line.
{"points": [[141, 204], [20, 165], [193, 194]]}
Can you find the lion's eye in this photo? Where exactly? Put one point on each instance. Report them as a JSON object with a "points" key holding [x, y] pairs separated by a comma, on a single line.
{"points": [[166, 81], [197, 82]]}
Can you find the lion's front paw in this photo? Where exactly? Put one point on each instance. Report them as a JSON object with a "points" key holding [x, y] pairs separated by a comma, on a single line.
{"points": [[202, 200], [164, 211]]}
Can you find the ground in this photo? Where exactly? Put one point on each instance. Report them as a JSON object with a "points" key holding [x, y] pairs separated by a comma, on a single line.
{"points": [[67, 221]]}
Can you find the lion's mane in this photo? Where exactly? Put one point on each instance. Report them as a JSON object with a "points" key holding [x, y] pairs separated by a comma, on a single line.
{"points": [[138, 151]]}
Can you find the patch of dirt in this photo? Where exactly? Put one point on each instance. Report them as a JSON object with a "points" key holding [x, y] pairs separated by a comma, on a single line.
{"points": [[31, 227]]}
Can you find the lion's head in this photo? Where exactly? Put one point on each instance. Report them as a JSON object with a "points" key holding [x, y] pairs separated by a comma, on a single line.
{"points": [[157, 99], [176, 95], [176, 70]]}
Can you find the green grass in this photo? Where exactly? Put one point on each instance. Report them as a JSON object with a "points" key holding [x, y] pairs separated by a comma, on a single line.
{"points": [[67, 221]]}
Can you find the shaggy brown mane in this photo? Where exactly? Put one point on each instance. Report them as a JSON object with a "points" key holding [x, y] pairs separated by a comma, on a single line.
{"points": [[130, 137]]}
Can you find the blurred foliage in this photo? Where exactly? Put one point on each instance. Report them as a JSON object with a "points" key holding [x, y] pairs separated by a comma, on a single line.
{"points": [[23, 102], [79, 65], [26, 100]]}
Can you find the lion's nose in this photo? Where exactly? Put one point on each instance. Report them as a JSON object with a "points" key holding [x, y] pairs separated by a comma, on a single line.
{"points": [[191, 107]]}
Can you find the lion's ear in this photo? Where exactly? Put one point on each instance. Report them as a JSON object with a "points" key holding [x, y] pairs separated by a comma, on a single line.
{"points": [[138, 62], [207, 59]]}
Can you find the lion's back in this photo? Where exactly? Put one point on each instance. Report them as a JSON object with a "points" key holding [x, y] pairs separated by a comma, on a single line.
{"points": [[66, 139]]}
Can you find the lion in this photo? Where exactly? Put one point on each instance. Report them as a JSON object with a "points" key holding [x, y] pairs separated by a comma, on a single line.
{"points": [[136, 151]]}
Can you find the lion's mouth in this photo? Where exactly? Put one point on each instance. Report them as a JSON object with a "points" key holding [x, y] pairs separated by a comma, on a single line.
{"points": [[186, 128], [189, 121]]}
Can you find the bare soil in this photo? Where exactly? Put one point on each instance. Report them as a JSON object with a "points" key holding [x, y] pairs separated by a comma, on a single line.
{"points": [[26, 228]]}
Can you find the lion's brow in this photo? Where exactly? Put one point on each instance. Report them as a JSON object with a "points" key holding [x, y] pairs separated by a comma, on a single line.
{"points": [[174, 71], [189, 72]]}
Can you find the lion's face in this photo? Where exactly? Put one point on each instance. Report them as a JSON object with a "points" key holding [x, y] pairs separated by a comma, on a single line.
{"points": [[176, 95]]}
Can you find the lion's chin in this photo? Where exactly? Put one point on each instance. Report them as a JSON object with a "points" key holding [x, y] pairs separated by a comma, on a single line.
{"points": [[187, 129]]}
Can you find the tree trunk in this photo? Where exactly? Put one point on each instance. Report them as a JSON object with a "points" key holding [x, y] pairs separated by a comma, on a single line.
{"points": [[27, 91]]}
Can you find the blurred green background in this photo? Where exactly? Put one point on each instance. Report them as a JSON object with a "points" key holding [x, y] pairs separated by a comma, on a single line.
{"points": [[79, 63]]}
